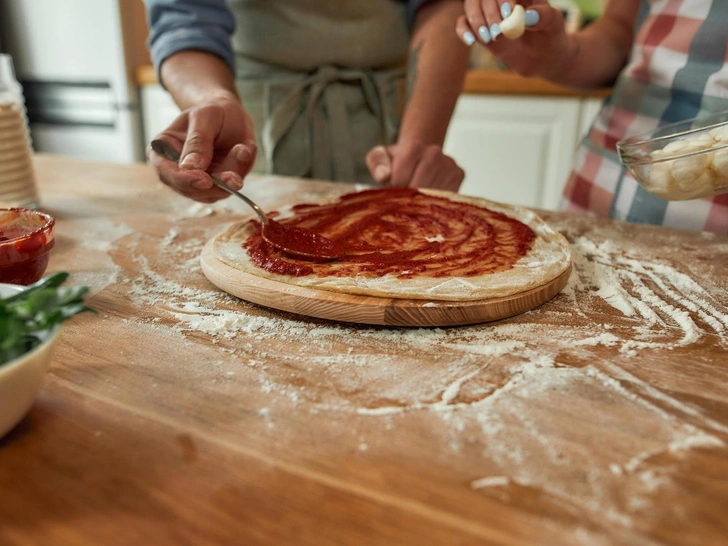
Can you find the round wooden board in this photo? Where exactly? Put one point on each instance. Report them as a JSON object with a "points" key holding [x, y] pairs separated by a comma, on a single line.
{"points": [[369, 309]]}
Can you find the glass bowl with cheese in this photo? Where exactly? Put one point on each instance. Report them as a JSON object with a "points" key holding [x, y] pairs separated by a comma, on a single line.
{"points": [[679, 161]]}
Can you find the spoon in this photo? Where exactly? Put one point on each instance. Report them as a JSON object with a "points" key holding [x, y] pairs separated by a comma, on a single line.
{"points": [[292, 240]]}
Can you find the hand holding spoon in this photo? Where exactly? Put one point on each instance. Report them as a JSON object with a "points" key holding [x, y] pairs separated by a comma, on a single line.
{"points": [[292, 240]]}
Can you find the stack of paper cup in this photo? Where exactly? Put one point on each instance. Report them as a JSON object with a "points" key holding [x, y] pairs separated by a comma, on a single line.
{"points": [[17, 178]]}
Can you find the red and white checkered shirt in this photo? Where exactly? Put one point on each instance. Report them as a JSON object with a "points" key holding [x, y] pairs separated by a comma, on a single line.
{"points": [[678, 69]]}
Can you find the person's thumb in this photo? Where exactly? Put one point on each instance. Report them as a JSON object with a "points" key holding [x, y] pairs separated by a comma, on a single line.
{"points": [[380, 164]]}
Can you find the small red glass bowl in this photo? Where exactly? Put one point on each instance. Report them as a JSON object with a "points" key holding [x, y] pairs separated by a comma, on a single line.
{"points": [[26, 239]]}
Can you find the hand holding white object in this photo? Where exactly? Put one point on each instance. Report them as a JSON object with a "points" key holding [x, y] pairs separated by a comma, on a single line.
{"points": [[514, 25], [538, 44]]}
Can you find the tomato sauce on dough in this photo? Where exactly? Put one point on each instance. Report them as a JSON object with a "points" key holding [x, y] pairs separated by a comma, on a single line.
{"points": [[403, 232]]}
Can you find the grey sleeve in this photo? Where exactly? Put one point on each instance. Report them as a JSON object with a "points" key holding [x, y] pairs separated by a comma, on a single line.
{"points": [[202, 25], [412, 7]]}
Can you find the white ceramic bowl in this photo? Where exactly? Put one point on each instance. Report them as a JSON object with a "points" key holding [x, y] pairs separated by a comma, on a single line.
{"points": [[21, 378]]}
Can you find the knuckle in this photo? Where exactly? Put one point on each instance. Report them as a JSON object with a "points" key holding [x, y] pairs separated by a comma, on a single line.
{"points": [[432, 152], [412, 147], [165, 179], [194, 139]]}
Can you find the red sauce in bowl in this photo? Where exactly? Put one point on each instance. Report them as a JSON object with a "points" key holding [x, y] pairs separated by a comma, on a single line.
{"points": [[26, 238]]}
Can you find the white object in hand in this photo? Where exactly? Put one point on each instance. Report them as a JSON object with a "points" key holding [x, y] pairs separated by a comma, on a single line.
{"points": [[514, 25]]}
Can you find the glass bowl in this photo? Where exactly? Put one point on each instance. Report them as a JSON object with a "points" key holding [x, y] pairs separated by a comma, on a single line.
{"points": [[678, 161], [26, 239]]}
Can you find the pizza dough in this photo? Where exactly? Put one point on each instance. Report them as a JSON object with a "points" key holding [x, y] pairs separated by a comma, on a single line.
{"points": [[547, 257]]}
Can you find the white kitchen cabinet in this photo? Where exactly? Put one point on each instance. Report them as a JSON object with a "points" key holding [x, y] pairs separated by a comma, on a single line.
{"points": [[158, 110], [589, 110], [515, 149]]}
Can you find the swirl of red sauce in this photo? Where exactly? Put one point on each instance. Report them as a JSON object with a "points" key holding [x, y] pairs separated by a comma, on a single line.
{"points": [[400, 231]]}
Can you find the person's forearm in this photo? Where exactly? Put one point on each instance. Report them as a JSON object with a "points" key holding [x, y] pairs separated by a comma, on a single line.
{"points": [[596, 55], [196, 77], [435, 74]]}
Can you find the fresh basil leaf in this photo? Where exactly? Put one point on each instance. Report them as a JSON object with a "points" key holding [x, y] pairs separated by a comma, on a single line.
{"points": [[29, 314], [52, 281]]}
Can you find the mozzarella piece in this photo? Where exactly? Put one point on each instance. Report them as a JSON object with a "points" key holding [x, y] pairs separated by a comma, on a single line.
{"points": [[720, 162], [686, 170], [514, 25], [700, 187], [660, 178], [701, 142], [675, 147], [719, 133], [658, 154]]}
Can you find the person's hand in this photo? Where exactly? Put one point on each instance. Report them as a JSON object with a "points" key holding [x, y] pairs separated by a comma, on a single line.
{"points": [[542, 50], [415, 165], [215, 138]]}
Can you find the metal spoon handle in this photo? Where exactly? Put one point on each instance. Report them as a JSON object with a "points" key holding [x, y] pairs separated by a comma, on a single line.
{"points": [[220, 184], [165, 150]]}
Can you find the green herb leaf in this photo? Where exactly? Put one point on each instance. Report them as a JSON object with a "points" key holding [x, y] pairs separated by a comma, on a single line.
{"points": [[25, 317]]}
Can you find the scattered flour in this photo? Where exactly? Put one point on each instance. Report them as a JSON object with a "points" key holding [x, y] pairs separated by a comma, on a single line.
{"points": [[625, 283], [500, 396], [198, 210], [171, 236], [490, 481], [96, 237]]}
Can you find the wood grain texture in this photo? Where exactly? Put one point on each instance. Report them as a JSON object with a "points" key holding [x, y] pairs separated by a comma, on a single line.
{"points": [[330, 305], [182, 415]]}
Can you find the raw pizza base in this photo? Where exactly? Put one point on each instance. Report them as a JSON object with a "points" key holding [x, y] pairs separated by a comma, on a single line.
{"points": [[549, 257]]}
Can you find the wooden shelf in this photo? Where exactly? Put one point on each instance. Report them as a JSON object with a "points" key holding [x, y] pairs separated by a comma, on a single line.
{"points": [[505, 82], [477, 82], [146, 75]]}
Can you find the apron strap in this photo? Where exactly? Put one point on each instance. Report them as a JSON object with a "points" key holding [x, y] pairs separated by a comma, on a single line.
{"points": [[320, 99]]}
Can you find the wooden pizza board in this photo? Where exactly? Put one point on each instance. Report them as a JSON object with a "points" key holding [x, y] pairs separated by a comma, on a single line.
{"points": [[369, 309]]}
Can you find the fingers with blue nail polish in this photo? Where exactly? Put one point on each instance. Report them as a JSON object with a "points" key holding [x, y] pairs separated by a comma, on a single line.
{"points": [[484, 34], [495, 30], [505, 10], [531, 17], [468, 38]]}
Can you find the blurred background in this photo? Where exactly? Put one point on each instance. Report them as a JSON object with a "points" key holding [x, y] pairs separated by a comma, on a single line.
{"points": [[76, 61], [91, 92]]}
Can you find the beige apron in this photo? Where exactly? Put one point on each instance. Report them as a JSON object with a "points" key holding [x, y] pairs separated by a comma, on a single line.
{"points": [[322, 80]]}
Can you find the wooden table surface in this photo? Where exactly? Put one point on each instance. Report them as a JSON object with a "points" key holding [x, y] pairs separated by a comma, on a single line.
{"points": [[181, 415]]}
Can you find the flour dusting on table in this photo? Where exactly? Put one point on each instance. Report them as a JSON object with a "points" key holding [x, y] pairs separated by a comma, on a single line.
{"points": [[501, 396], [97, 237]]}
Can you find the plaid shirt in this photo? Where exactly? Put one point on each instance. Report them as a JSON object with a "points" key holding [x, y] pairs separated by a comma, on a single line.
{"points": [[678, 69]]}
